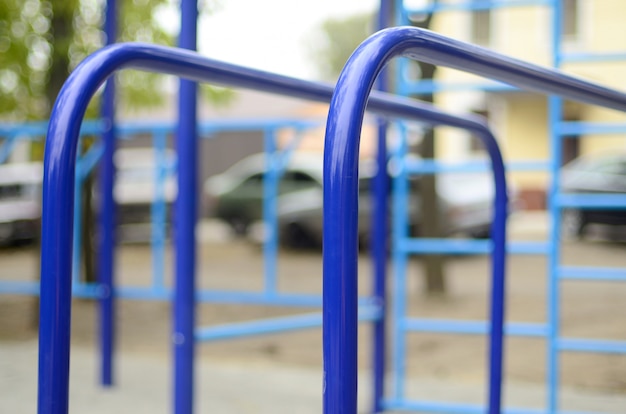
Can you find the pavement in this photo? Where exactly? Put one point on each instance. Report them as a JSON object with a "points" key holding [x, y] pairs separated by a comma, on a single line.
{"points": [[225, 386]]}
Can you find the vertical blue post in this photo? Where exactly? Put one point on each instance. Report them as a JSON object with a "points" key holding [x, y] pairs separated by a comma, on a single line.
{"points": [[273, 170], [106, 220], [158, 211], [185, 216], [380, 230], [554, 115]]}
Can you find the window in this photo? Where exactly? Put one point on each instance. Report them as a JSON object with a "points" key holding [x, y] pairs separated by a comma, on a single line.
{"points": [[481, 23]]}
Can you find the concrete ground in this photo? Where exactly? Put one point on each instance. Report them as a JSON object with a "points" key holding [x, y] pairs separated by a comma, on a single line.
{"points": [[263, 377]]}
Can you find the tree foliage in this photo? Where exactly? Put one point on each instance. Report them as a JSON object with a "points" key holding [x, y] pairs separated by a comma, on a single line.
{"points": [[336, 39], [41, 41]]}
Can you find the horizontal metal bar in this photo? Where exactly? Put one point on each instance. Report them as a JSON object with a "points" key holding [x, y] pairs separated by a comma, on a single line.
{"points": [[275, 325], [429, 86], [472, 327], [591, 273], [434, 167], [444, 407], [435, 7], [584, 128], [591, 200], [18, 288], [465, 246], [591, 345], [576, 57]]}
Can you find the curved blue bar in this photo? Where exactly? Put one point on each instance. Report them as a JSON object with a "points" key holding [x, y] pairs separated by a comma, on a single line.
{"points": [[340, 234], [340, 186], [63, 132]]}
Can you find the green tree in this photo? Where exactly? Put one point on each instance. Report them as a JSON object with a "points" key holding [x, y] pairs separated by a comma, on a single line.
{"points": [[334, 41], [41, 41]]}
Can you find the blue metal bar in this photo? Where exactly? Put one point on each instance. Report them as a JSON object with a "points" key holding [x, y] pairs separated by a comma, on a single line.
{"points": [[275, 325], [7, 147], [573, 57], [400, 260], [435, 167], [340, 221], [473, 327], [64, 129], [591, 345], [185, 224], [444, 407], [379, 237], [271, 182], [435, 7], [158, 211], [585, 128], [107, 214], [428, 86], [591, 200], [19, 288], [340, 189], [555, 109], [464, 246], [591, 273]]}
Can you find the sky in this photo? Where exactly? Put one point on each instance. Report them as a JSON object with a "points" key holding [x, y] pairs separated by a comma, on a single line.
{"points": [[271, 35]]}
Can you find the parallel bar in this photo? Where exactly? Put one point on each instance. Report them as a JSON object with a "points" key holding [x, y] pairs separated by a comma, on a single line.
{"points": [[428, 86], [591, 273], [435, 7], [275, 325], [573, 57], [591, 345], [436, 167], [591, 200], [186, 205], [466, 246], [472, 327], [451, 408], [584, 128]]}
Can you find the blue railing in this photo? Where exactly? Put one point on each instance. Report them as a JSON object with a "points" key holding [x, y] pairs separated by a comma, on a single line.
{"points": [[342, 138], [59, 173], [349, 100]]}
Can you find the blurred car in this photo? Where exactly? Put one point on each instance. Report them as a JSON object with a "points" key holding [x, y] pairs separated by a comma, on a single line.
{"points": [[236, 197], [135, 188], [599, 174], [20, 202]]}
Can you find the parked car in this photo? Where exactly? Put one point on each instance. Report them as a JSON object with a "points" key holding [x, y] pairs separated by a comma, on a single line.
{"points": [[20, 202], [136, 189], [599, 174], [236, 197]]}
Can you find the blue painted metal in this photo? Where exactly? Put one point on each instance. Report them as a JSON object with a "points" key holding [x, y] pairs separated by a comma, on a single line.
{"points": [[107, 214], [340, 223], [63, 133], [472, 327], [185, 219], [274, 170], [379, 243], [341, 192], [591, 273], [158, 209]]}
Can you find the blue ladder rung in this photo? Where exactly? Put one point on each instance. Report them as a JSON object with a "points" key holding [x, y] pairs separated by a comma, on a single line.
{"points": [[591, 345], [472, 327], [583, 128], [19, 288], [593, 57], [433, 167], [592, 273], [275, 325], [428, 86], [592, 200], [465, 246], [474, 6], [443, 407]]}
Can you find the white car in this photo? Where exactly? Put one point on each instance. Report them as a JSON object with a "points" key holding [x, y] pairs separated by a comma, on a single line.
{"points": [[20, 202]]}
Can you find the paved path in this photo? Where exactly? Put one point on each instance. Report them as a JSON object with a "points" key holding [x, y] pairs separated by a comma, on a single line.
{"points": [[227, 387]]}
